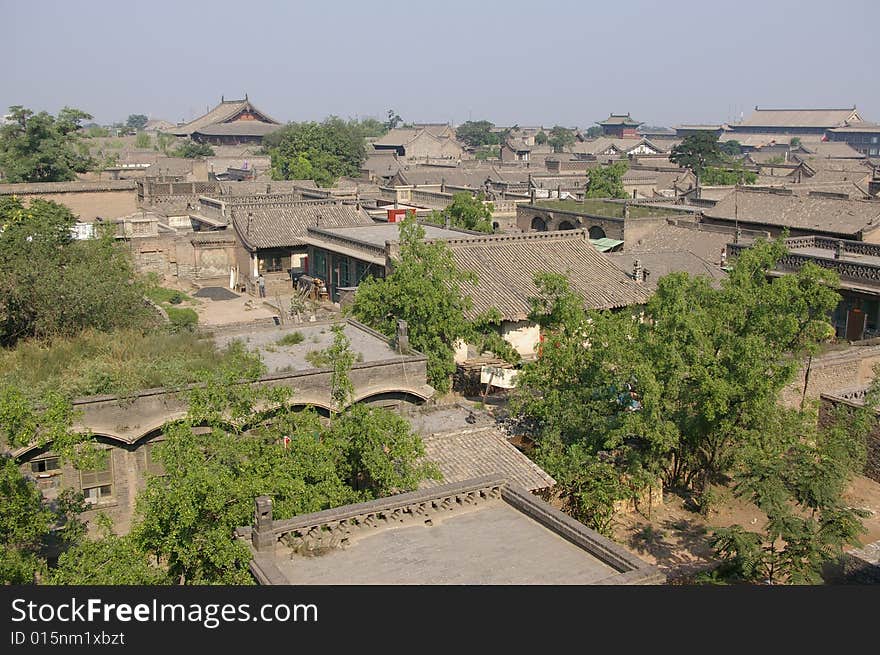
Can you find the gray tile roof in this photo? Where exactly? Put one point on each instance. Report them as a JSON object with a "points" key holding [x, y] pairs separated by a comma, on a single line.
{"points": [[66, 187], [687, 238], [798, 118], [474, 452], [658, 264], [219, 114], [826, 215], [285, 224], [505, 266], [238, 128]]}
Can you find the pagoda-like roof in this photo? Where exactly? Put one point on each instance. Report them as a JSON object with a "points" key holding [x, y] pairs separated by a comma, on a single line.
{"points": [[619, 119], [226, 112]]}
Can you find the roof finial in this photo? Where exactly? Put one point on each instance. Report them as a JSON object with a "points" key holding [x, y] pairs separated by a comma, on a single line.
{"points": [[245, 96], [222, 99]]}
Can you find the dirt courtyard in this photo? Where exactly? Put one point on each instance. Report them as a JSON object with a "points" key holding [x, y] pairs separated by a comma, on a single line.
{"points": [[677, 539]]}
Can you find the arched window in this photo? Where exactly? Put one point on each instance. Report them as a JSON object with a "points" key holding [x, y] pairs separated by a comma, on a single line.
{"points": [[539, 224], [597, 232], [566, 225]]}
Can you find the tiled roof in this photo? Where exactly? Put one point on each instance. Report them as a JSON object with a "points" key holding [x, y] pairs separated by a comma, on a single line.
{"points": [[798, 118], [397, 137], [238, 128], [474, 452], [505, 266], [833, 150], [858, 127], [619, 119], [702, 243], [603, 143], [222, 112], [66, 187], [285, 224], [658, 264], [820, 214]]}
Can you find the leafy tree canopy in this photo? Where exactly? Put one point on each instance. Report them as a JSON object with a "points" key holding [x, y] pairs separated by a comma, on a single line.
{"points": [[78, 284], [317, 151], [427, 290], [607, 181], [728, 175], [193, 150], [43, 148], [697, 152], [677, 393], [136, 121], [561, 138], [467, 212], [477, 133], [541, 138]]}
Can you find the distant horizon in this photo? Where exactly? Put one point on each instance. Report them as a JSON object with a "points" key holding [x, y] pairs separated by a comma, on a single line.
{"points": [[563, 63]]}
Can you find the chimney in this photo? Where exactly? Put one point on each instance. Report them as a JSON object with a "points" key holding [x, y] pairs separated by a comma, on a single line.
{"points": [[531, 196], [442, 185], [402, 337], [638, 272], [262, 533]]}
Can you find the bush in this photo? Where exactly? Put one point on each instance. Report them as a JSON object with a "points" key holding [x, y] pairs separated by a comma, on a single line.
{"points": [[161, 295], [143, 140], [182, 319], [291, 339], [318, 359]]}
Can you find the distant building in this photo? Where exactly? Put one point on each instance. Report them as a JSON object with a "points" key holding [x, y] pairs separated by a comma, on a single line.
{"points": [[232, 122], [795, 122], [620, 126], [862, 136], [714, 128], [427, 142]]}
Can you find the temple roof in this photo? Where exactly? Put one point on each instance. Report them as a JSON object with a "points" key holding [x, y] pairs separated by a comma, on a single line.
{"points": [[225, 112]]}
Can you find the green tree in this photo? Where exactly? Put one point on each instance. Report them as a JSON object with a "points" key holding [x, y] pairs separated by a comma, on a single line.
{"points": [[136, 122], [728, 175], [607, 181], [192, 150], [697, 152], [108, 559], [541, 138], [24, 526], [78, 284], [467, 212], [188, 516], [678, 392], [595, 131], [561, 138], [394, 120], [795, 142], [43, 148], [143, 140], [317, 151], [731, 148], [477, 133], [341, 358], [797, 478], [427, 290]]}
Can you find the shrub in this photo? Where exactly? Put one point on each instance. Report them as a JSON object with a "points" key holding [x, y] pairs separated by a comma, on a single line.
{"points": [[182, 319], [291, 339]]}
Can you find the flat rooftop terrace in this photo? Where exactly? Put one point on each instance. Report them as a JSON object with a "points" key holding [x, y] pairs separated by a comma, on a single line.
{"points": [[369, 346], [492, 543], [486, 530]]}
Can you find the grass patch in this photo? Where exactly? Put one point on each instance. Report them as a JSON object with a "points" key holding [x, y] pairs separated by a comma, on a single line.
{"points": [[181, 319], [119, 362], [318, 359], [291, 339], [160, 295]]}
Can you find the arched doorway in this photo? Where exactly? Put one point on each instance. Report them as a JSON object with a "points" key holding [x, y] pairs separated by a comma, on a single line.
{"points": [[566, 225], [539, 224], [597, 232]]}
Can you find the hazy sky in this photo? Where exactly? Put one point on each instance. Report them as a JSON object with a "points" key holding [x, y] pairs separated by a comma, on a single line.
{"points": [[536, 62]]}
